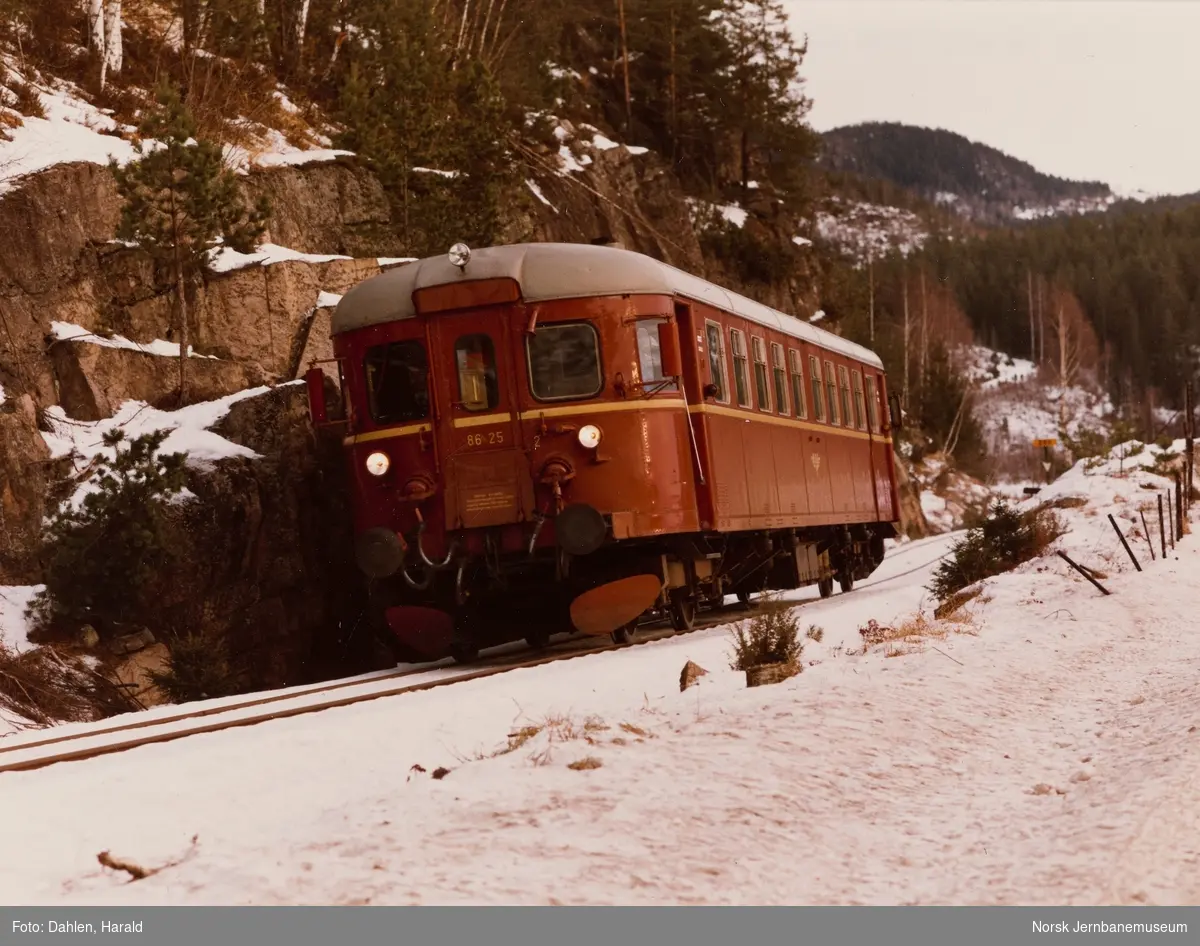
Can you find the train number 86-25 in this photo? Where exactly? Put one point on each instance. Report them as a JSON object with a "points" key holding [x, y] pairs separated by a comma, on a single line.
{"points": [[492, 437]]}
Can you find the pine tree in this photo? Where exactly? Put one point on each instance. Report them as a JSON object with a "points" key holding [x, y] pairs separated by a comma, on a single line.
{"points": [[765, 109], [180, 202]]}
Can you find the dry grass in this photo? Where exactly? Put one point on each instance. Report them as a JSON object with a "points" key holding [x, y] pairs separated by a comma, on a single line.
{"points": [[815, 633], [44, 687], [582, 765], [910, 635]]}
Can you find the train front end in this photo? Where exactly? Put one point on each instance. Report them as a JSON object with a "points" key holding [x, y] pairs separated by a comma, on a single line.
{"points": [[515, 444]]}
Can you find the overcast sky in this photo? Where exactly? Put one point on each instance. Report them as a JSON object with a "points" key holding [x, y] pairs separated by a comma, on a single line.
{"points": [[1103, 90]]}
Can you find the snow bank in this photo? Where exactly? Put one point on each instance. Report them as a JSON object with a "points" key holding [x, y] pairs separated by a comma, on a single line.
{"points": [[867, 230]]}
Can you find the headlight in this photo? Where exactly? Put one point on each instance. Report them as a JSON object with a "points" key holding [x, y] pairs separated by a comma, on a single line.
{"points": [[378, 463], [589, 436], [460, 255]]}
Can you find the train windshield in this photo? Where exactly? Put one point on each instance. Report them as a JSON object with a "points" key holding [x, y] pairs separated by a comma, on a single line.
{"points": [[564, 362], [397, 382]]}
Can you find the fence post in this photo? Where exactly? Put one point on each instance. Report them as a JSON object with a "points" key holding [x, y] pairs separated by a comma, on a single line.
{"points": [[1149, 537], [1121, 536], [1190, 433], [1178, 507], [1083, 572], [1162, 529]]}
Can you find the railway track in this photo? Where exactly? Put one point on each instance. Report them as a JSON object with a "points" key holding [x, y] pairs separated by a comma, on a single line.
{"points": [[25, 755]]}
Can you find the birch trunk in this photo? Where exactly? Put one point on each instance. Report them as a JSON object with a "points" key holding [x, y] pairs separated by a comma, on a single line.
{"points": [[924, 327], [1032, 333], [113, 52]]}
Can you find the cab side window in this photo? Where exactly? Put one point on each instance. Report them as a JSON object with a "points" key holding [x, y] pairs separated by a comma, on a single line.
{"points": [[650, 355], [716, 361], [397, 376]]}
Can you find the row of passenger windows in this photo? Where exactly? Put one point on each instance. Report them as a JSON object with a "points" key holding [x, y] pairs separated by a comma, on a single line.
{"points": [[837, 394], [563, 362]]}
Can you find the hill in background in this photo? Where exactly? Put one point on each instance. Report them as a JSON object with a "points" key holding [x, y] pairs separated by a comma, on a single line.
{"points": [[978, 182]]}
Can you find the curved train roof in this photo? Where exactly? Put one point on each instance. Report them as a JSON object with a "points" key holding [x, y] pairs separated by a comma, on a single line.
{"points": [[547, 271]]}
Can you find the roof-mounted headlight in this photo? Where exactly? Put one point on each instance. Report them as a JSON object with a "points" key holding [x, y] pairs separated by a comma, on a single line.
{"points": [[459, 255]]}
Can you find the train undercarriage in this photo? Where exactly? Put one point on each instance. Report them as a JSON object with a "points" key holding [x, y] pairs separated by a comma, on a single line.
{"points": [[463, 605]]}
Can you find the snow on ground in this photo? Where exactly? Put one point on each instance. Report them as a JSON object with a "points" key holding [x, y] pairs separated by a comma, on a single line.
{"points": [[72, 130], [990, 369], [75, 130], [870, 230], [1048, 756], [67, 332], [1066, 207]]}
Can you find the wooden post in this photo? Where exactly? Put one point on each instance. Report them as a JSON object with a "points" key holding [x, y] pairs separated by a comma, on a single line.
{"points": [[1162, 528], [1170, 519], [1178, 506], [1189, 432], [1063, 556], [1121, 536], [1149, 537]]}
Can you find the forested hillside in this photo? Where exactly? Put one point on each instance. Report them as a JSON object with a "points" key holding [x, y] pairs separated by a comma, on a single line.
{"points": [[975, 180]]}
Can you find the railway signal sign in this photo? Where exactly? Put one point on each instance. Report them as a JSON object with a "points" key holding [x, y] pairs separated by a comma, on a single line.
{"points": [[1046, 443]]}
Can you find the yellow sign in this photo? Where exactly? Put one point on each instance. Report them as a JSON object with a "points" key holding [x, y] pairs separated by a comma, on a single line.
{"points": [[1049, 442]]}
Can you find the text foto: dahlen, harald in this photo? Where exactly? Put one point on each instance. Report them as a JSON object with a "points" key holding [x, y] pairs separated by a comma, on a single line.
{"points": [[69, 926]]}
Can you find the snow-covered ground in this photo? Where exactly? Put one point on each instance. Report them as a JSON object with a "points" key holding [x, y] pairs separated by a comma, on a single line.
{"points": [[870, 230], [1045, 752]]}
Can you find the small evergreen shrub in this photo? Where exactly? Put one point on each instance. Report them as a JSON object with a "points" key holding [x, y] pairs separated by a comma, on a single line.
{"points": [[198, 669], [1006, 539], [771, 636], [101, 552]]}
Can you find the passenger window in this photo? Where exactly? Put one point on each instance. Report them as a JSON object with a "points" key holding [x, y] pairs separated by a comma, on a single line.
{"points": [[397, 376], [872, 404], [716, 361], [797, 382], [780, 376], [564, 362], [741, 382], [762, 388], [831, 393], [860, 413], [475, 359], [844, 384], [650, 356], [814, 371]]}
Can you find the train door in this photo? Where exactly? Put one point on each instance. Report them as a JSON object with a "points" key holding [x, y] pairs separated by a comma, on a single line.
{"points": [[487, 473]]}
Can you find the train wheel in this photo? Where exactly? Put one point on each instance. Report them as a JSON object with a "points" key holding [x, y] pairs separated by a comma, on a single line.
{"points": [[623, 635], [683, 610], [847, 584], [825, 587], [538, 640]]}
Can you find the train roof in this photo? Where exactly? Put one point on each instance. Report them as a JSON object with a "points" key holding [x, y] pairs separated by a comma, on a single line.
{"points": [[547, 271]]}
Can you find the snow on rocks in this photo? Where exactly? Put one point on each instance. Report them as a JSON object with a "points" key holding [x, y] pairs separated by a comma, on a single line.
{"points": [[188, 433], [68, 332], [225, 259], [13, 626]]}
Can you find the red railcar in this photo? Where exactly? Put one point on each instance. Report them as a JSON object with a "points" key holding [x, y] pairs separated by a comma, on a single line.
{"points": [[555, 437]]}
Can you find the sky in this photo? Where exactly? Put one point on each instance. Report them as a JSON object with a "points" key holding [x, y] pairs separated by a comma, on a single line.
{"points": [[1099, 90]]}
